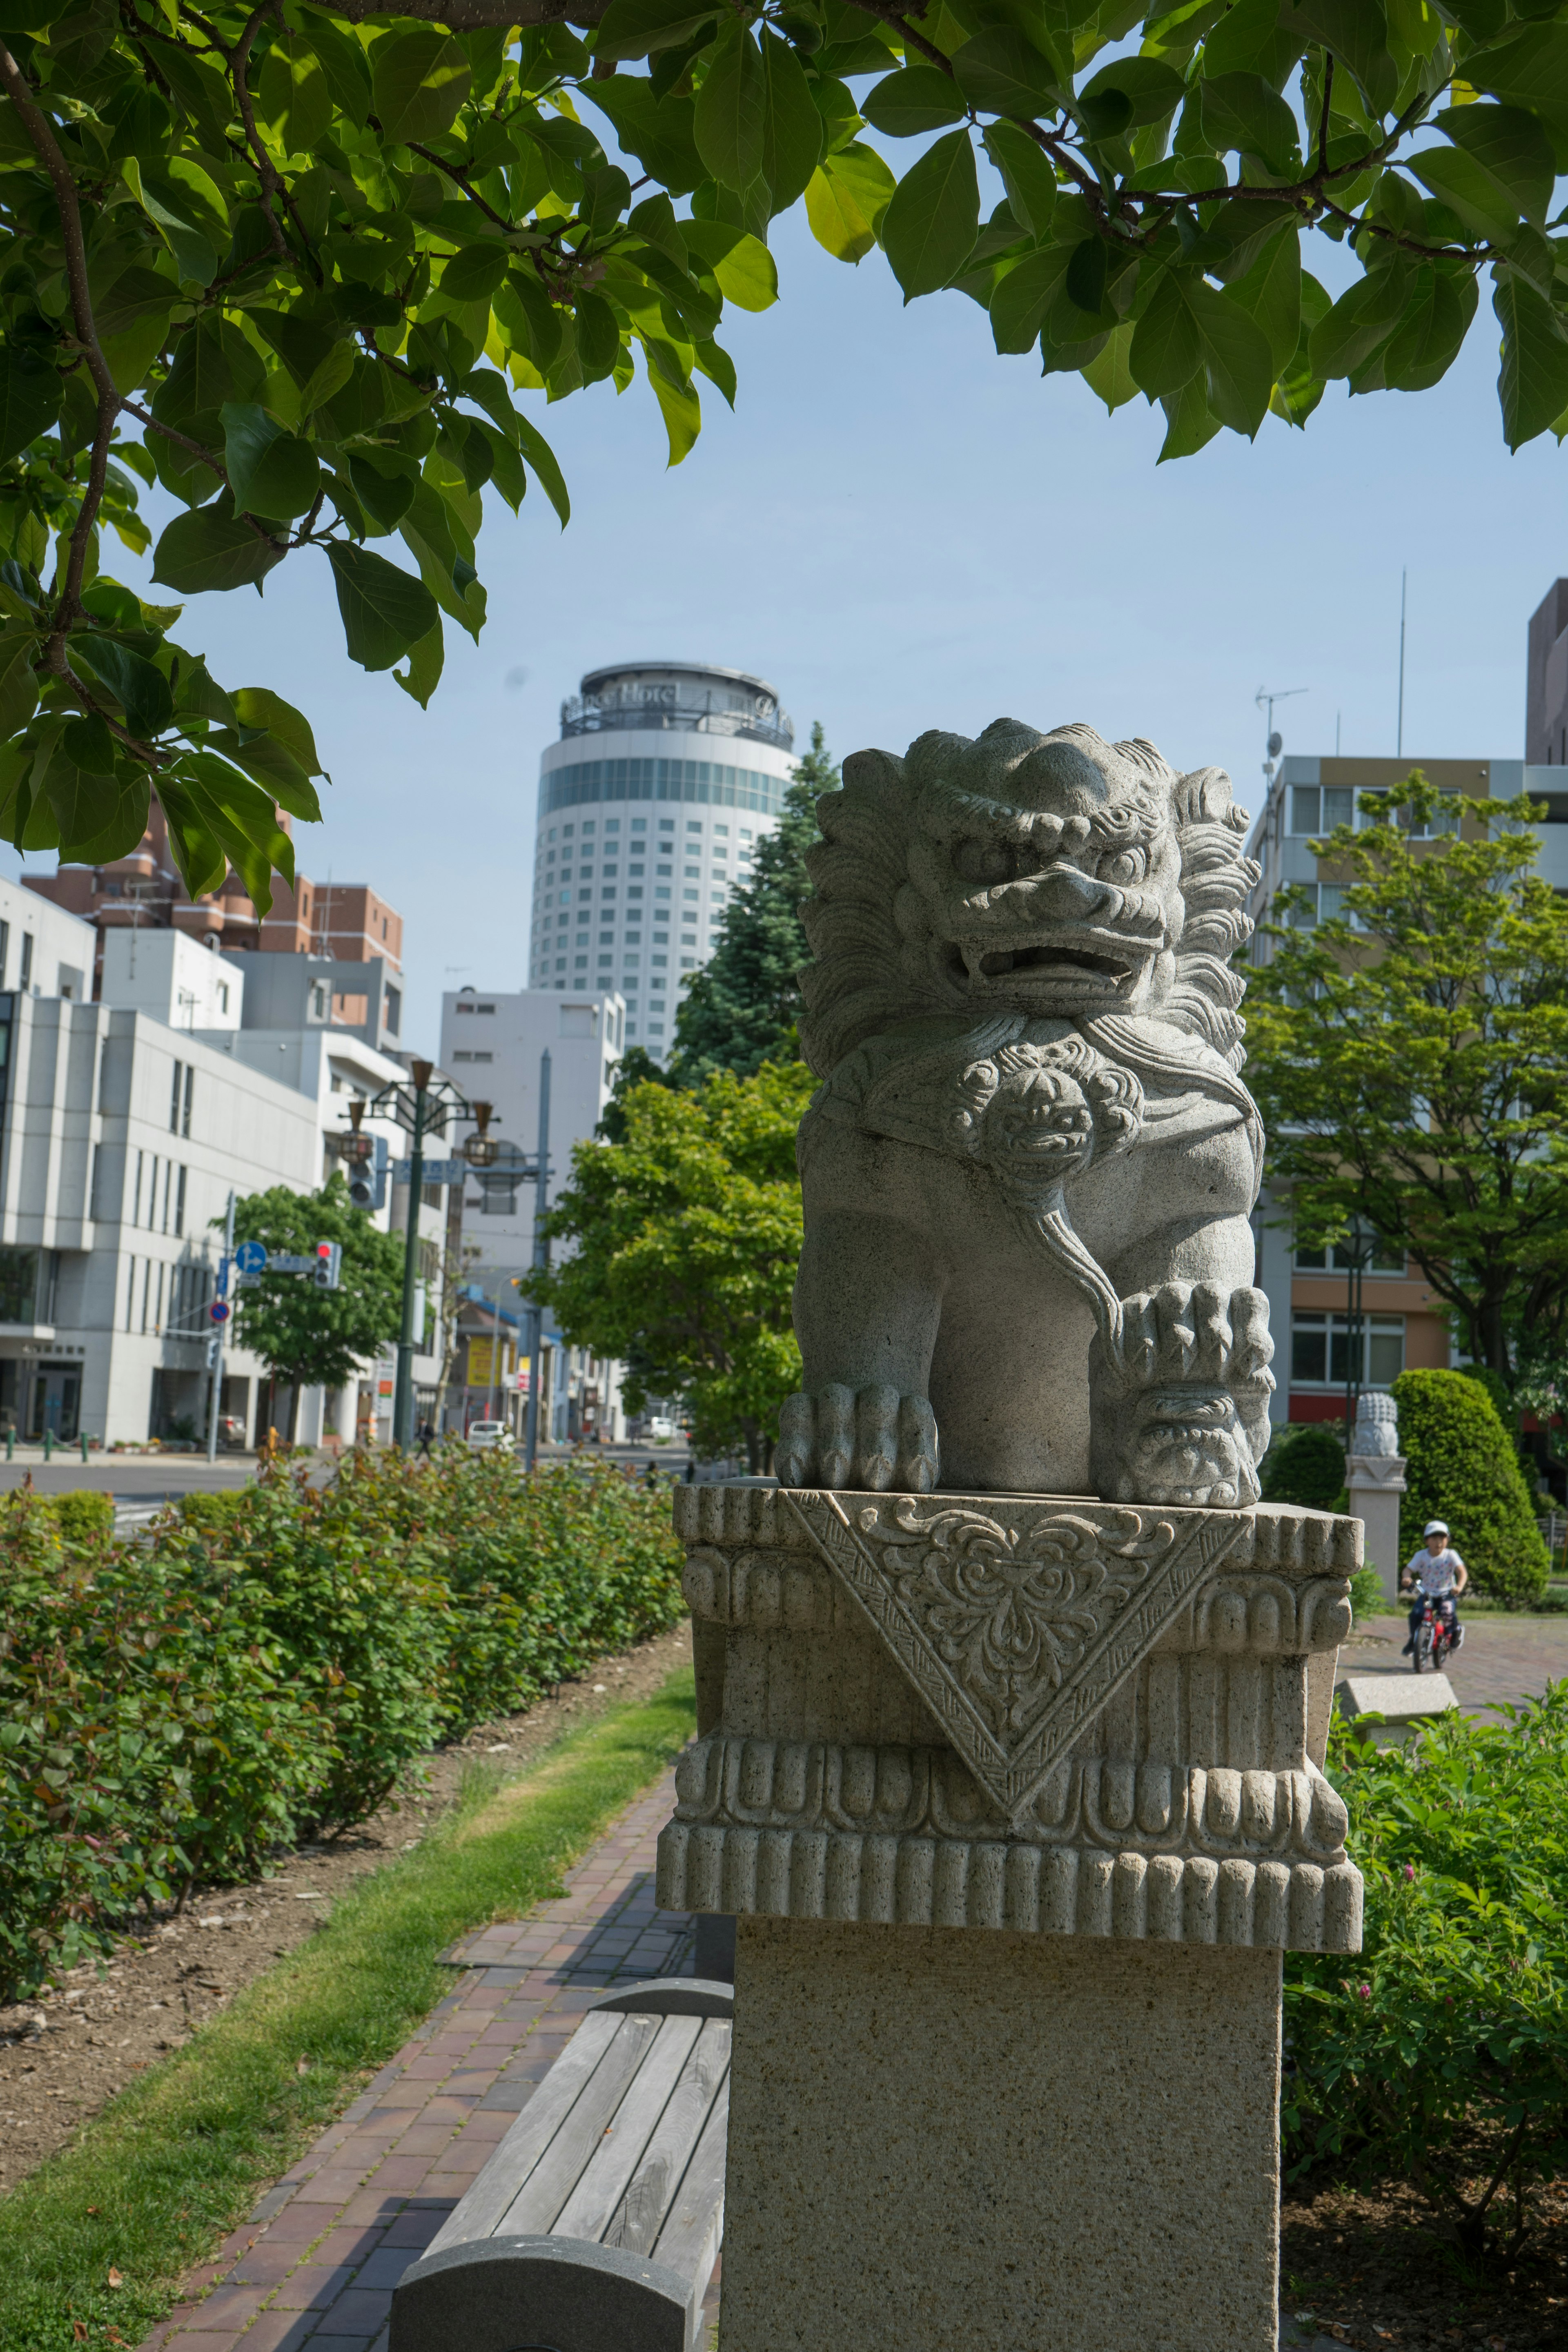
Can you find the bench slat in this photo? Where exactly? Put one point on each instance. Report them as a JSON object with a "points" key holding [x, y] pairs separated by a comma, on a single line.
{"points": [[478, 2214], [640, 2216], [689, 2242], [532, 2210], [594, 2200]]}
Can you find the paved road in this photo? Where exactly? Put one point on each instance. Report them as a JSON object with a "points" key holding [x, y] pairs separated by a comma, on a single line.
{"points": [[1504, 1659]]}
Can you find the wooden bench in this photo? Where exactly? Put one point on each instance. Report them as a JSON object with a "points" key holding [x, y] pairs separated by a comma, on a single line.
{"points": [[595, 2225]]}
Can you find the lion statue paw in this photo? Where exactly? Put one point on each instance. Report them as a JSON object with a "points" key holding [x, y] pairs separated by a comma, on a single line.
{"points": [[1180, 1410], [871, 1439]]}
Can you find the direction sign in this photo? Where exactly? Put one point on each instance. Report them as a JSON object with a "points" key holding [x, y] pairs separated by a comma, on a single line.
{"points": [[250, 1257], [219, 1311]]}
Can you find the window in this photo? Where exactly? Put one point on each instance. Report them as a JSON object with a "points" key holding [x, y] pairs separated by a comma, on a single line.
{"points": [[25, 975], [130, 1295], [1320, 1350], [168, 1189], [180, 1203], [1384, 1259], [1316, 810], [694, 824], [393, 1011], [484, 1008], [190, 1089], [463, 1005], [639, 825], [720, 833], [174, 1099], [136, 1196], [460, 1055], [18, 1285], [94, 1204], [5, 951], [318, 1000], [223, 996]]}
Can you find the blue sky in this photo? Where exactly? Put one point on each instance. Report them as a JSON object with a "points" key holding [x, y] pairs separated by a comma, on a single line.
{"points": [[902, 531]]}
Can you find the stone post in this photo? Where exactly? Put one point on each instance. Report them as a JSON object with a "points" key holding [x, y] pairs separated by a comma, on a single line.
{"points": [[1012, 1799], [1374, 1476]]}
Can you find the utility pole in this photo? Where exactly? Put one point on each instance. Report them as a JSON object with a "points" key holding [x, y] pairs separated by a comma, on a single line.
{"points": [[540, 1259], [215, 1344], [1399, 725], [403, 1390]]}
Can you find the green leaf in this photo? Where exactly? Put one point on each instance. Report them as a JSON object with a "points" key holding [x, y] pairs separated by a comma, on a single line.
{"points": [[385, 496], [845, 199], [1299, 389], [1532, 384], [29, 398], [1000, 72], [1027, 174], [474, 274], [1248, 39], [257, 705], [1241, 113], [198, 853], [1531, 69], [1109, 374], [636, 28], [660, 132], [79, 780], [681, 411], [541, 458], [792, 127], [141, 690], [933, 218], [1151, 89], [270, 471], [1357, 33], [745, 270], [344, 61], [384, 611], [508, 472], [1025, 295], [598, 336], [1427, 341], [18, 686], [1167, 347], [327, 379], [195, 256], [1270, 293], [242, 817], [730, 106], [1468, 189], [1511, 148], [423, 675], [908, 103], [1190, 421], [1359, 323], [124, 829], [1238, 369], [419, 76], [212, 548], [266, 762]]}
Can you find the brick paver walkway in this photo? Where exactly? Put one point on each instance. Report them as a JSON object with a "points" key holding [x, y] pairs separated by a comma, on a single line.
{"points": [[315, 2263], [1504, 1659]]}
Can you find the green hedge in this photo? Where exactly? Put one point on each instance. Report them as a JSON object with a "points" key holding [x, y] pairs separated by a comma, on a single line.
{"points": [[1437, 2054], [171, 1708], [1462, 1467], [1305, 1464]]}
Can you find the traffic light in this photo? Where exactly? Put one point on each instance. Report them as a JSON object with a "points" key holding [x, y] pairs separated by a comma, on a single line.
{"points": [[329, 1259], [367, 1178]]}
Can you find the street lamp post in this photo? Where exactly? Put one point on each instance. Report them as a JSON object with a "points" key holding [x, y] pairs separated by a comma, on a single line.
{"points": [[424, 1108], [1357, 1247], [540, 1259]]}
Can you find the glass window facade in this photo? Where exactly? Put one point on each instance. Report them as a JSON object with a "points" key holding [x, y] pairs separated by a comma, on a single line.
{"points": [[702, 780]]}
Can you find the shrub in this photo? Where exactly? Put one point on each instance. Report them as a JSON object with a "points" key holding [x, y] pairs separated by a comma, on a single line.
{"points": [[1462, 1467], [273, 1658], [1437, 2055], [84, 1517], [1305, 1464]]}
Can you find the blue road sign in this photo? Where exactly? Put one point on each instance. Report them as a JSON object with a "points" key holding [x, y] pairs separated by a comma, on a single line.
{"points": [[250, 1257], [219, 1311]]}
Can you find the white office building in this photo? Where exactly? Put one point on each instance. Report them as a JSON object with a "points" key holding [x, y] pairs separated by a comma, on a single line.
{"points": [[665, 777], [492, 1045]]}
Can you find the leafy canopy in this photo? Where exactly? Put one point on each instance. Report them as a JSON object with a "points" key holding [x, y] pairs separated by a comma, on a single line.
{"points": [[740, 1009], [1461, 1466], [686, 1236], [311, 270], [1410, 1055], [303, 1334]]}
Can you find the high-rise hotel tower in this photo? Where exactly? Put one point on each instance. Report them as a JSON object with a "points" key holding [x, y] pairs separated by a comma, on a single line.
{"points": [[665, 777]]}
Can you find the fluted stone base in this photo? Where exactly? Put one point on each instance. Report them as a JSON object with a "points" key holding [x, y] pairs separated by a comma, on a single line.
{"points": [[945, 2142]]}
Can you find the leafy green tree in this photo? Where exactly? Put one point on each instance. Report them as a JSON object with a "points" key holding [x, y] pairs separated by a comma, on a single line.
{"points": [[1410, 1056], [683, 1239], [740, 1009], [296, 265], [306, 1336], [1305, 1464], [637, 1067], [1461, 1467]]}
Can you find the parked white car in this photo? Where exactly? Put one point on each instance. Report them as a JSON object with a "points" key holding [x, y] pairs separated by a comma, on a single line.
{"points": [[490, 1436], [660, 1430]]}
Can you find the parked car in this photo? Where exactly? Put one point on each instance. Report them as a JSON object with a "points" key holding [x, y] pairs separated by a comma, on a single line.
{"points": [[490, 1436], [230, 1430], [660, 1430]]}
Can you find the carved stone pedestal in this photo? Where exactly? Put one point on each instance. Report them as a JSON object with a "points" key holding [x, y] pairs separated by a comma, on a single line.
{"points": [[1376, 1486], [1014, 1800]]}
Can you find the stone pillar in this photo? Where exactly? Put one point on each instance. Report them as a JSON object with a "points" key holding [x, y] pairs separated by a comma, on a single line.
{"points": [[1013, 1800], [1376, 1483]]}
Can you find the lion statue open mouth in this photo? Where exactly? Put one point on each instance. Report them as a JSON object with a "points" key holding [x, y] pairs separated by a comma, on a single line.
{"points": [[1030, 1168]]}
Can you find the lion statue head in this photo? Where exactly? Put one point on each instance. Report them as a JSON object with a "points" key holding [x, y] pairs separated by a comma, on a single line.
{"points": [[1053, 876]]}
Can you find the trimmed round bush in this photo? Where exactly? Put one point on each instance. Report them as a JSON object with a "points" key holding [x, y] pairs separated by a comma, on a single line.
{"points": [[1462, 1467], [1305, 1464]]}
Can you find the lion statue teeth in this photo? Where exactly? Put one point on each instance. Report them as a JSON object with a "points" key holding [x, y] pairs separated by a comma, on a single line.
{"points": [[1030, 1167]]}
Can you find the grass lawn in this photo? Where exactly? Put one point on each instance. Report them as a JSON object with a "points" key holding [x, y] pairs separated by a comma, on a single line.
{"points": [[177, 2160]]}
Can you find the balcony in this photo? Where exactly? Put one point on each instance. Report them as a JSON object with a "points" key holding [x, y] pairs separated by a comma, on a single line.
{"points": [[716, 710]]}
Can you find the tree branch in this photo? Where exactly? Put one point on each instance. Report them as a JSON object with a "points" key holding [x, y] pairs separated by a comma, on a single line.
{"points": [[267, 171], [476, 15]]}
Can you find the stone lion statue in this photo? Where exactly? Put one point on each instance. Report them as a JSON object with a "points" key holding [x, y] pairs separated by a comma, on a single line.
{"points": [[1030, 1166]]}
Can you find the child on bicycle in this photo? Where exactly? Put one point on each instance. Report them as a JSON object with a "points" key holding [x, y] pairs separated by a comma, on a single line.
{"points": [[1435, 1573]]}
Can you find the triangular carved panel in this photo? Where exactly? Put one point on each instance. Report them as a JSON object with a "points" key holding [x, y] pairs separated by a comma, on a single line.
{"points": [[1014, 1625]]}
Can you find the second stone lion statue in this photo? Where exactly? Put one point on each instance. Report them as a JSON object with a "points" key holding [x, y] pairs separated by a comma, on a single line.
{"points": [[1030, 1169]]}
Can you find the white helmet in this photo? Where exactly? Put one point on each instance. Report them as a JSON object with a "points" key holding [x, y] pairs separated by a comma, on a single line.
{"points": [[1435, 1528]]}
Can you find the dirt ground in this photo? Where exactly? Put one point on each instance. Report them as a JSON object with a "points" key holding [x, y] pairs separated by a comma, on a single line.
{"points": [[64, 2055], [1369, 2269]]}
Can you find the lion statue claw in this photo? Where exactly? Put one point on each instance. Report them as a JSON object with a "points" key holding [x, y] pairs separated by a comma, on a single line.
{"points": [[1030, 1169]]}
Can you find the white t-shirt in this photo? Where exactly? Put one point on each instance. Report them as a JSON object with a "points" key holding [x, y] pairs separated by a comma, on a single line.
{"points": [[1435, 1575]]}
